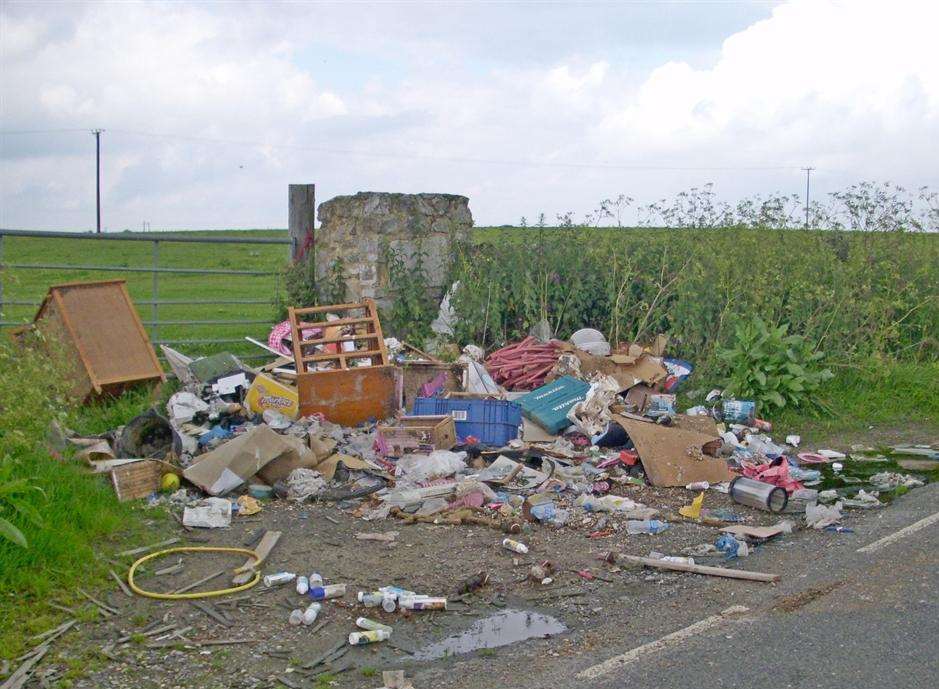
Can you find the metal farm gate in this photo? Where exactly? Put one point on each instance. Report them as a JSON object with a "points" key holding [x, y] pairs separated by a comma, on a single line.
{"points": [[239, 289]]}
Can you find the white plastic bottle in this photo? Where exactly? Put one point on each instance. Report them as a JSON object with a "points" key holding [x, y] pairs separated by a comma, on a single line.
{"points": [[309, 615], [316, 579], [296, 617], [515, 546], [279, 578], [326, 592], [371, 625], [371, 599]]}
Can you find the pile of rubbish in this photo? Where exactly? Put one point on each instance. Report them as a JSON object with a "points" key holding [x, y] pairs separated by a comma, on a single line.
{"points": [[562, 434]]}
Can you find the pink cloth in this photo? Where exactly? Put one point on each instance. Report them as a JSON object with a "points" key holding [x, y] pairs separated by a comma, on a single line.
{"points": [[776, 474], [280, 335]]}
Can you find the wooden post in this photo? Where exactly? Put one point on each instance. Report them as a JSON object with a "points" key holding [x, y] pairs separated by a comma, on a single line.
{"points": [[301, 202]]}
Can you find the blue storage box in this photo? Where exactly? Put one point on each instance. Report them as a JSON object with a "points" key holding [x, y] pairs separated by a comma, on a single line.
{"points": [[548, 405], [494, 422]]}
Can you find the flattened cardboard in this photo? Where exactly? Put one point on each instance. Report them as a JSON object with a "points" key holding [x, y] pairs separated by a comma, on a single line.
{"points": [[228, 466], [673, 456], [297, 456], [755, 531], [327, 467], [627, 370]]}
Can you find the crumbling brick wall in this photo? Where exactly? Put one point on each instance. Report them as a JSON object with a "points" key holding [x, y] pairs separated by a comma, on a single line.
{"points": [[354, 230]]}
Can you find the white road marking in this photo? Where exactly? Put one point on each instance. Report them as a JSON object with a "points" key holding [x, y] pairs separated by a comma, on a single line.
{"points": [[902, 533], [617, 662]]}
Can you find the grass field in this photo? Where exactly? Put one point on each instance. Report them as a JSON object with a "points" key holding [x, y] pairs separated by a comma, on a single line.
{"points": [[30, 285]]}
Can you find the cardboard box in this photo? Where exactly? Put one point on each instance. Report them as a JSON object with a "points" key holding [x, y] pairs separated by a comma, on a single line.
{"points": [[268, 393]]}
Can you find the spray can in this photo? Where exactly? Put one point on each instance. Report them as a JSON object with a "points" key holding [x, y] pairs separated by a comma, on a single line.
{"points": [[326, 592], [279, 578], [303, 585], [371, 625], [371, 600], [309, 615], [369, 637], [515, 546], [424, 603]]}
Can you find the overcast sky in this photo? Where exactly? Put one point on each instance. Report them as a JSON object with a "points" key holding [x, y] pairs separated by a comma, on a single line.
{"points": [[211, 108]]}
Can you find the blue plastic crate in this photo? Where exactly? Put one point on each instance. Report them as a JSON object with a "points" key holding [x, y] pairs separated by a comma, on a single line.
{"points": [[494, 422]]}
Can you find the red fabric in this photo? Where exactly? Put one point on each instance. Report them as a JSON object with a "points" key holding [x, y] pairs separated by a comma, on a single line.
{"points": [[776, 474]]}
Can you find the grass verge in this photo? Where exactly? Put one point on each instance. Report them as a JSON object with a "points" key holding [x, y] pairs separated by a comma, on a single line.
{"points": [[69, 518]]}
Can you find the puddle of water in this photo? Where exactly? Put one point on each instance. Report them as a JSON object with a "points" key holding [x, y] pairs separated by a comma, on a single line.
{"points": [[503, 628]]}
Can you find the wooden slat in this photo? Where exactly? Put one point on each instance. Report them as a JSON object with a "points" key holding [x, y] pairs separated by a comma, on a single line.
{"points": [[364, 354], [328, 308], [370, 320], [334, 340], [340, 322]]}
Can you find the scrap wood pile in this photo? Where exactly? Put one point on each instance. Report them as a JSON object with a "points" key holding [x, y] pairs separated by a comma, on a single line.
{"points": [[572, 434]]}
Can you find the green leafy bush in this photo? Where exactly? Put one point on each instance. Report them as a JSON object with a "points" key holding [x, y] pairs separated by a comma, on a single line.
{"points": [[772, 367]]}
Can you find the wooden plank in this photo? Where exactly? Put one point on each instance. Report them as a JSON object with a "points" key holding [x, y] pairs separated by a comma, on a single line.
{"points": [[363, 354], [328, 307], [702, 569], [265, 546], [145, 548], [120, 582], [344, 338], [190, 587], [22, 674], [106, 608]]}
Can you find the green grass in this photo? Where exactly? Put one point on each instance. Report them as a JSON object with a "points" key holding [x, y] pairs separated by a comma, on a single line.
{"points": [[878, 393], [74, 518]]}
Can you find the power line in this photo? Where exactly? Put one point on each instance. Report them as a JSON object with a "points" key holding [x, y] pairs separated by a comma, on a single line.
{"points": [[445, 159]]}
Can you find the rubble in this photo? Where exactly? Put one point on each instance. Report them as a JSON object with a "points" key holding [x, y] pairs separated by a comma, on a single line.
{"points": [[544, 437]]}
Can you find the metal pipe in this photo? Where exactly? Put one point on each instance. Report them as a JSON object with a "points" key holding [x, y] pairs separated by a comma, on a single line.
{"points": [[762, 496]]}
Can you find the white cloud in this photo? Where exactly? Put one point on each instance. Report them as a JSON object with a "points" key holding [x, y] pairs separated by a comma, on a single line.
{"points": [[852, 88]]}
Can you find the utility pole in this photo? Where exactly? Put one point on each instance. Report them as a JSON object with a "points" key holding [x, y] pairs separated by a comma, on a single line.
{"points": [[808, 176], [97, 133]]}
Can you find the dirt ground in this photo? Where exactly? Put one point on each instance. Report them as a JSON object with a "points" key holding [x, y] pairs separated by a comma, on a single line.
{"points": [[593, 608], [425, 558]]}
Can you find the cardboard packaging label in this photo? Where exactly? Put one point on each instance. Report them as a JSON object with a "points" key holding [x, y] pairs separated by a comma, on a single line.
{"points": [[267, 393]]}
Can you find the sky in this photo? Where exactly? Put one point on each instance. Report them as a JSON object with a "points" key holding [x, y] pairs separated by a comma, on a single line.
{"points": [[210, 109]]}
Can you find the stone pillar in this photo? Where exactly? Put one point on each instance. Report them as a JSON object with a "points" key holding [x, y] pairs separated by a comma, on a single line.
{"points": [[301, 203], [353, 230]]}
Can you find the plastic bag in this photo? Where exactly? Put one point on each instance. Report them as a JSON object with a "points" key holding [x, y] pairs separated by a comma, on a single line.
{"points": [[438, 464]]}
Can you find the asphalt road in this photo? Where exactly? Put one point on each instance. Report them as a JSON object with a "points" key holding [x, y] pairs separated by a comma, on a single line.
{"points": [[839, 619]]}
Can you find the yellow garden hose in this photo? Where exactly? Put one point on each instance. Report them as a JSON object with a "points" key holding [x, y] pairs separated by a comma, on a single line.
{"points": [[198, 594]]}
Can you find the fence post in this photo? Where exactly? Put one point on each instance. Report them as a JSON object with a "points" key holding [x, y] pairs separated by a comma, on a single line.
{"points": [[1, 277], [301, 213], [155, 292]]}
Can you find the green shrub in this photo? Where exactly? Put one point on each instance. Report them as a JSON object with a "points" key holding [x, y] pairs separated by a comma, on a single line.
{"points": [[772, 367]]}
